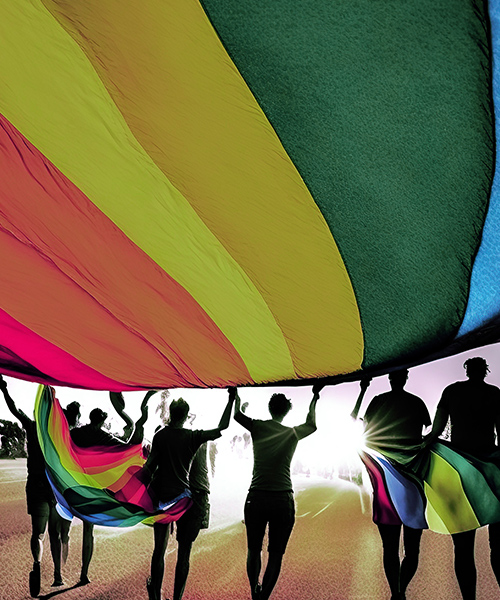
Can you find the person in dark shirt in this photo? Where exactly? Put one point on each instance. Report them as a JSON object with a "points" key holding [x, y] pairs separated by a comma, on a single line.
{"points": [[394, 422], [473, 408], [39, 498], [270, 497], [172, 472]]}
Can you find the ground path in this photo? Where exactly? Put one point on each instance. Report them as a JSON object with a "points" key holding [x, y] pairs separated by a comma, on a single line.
{"points": [[334, 552]]}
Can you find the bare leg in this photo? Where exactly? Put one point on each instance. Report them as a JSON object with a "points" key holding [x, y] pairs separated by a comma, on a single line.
{"points": [[55, 522], [254, 563], [271, 575], [390, 535], [182, 568], [65, 527], [38, 527], [465, 567], [87, 551], [409, 565], [161, 533]]}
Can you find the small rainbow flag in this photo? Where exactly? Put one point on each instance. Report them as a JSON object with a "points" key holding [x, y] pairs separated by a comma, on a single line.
{"points": [[101, 484]]}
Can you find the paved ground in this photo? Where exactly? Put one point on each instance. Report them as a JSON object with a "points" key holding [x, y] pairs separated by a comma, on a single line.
{"points": [[334, 552]]}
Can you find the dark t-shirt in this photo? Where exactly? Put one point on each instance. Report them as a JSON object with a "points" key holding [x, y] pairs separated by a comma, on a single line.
{"points": [[273, 447], [473, 408], [37, 479], [394, 421], [172, 451], [90, 435], [198, 472]]}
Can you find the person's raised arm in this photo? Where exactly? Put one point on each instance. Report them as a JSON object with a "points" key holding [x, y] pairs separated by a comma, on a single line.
{"points": [[239, 416], [309, 426], [226, 415], [118, 403], [10, 403], [138, 434], [364, 384]]}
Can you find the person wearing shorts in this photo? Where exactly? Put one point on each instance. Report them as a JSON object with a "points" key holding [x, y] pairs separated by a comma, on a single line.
{"points": [[176, 465], [394, 421], [270, 498], [473, 408], [194, 520], [40, 500]]}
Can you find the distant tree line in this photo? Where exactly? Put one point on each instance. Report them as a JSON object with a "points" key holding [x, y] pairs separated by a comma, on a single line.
{"points": [[13, 440]]}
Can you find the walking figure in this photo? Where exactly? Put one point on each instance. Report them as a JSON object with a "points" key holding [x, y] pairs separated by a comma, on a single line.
{"points": [[270, 497], [473, 407]]}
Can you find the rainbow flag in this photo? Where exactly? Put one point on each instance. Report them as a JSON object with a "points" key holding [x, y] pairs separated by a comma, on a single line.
{"points": [[224, 192], [446, 490], [101, 484]]}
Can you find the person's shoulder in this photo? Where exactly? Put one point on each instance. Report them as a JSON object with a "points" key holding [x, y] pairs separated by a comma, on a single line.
{"points": [[454, 389], [413, 398], [493, 390], [166, 432], [378, 400], [456, 385], [492, 387], [78, 430], [78, 434]]}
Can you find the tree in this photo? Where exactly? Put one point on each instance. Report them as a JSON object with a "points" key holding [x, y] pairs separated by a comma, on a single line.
{"points": [[13, 440]]}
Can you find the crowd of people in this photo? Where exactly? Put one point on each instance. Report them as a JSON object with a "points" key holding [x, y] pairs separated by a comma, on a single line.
{"points": [[177, 463]]}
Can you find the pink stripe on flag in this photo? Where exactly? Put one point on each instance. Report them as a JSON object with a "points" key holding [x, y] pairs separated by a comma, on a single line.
{"points": [[53, 364], [384, 512]]}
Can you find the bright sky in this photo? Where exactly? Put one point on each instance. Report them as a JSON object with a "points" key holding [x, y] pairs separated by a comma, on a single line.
{"points": [[333, 444]]}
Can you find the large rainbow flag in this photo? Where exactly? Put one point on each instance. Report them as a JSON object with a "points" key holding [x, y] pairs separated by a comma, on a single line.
{"points": [[101, 484], [228, 192]]}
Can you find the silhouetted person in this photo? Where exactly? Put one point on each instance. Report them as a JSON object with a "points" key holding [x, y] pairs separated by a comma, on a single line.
{"points": [[86, 436], [39, 498], [394, 422], [473, 407], [270, 497], [173, 471]]}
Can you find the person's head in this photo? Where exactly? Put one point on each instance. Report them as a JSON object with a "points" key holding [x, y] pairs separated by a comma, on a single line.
{"points": [[476, 368], [179, 410], [279, 406], [398, 379], [97, 417], [72, 413]]}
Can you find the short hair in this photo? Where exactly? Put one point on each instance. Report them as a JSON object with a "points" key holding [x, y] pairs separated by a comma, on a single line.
{"points": [[97, 416], [72, 412], [478, 363], [179, 410], [279, 405]]}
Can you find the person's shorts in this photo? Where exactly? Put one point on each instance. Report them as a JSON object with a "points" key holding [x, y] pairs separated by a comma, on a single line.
{"points": [[275, 508], [39, 500], [195, 518]]}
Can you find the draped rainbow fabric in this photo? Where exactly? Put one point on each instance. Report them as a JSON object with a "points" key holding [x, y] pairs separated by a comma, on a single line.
{"points": [[100, 484], [449, 491], [213, 192]]}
